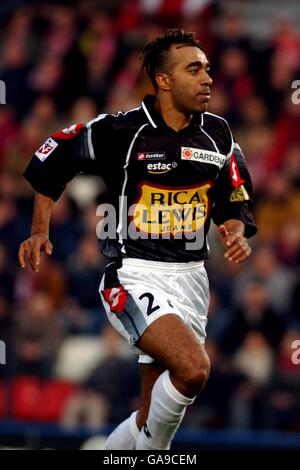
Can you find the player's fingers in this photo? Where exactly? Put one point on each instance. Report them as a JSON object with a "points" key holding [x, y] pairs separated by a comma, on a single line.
{"points": [[238, 243], [35, 256], [234, 238], [243, 258], [29, 257], [21, 255], [48, 247], [223, 232], [241, 254]]}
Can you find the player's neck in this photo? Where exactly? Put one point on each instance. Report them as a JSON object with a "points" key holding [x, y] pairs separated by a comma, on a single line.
{"points": [[175, 119]]}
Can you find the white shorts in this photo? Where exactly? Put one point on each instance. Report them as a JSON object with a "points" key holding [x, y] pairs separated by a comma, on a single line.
{"points": [[136, 292]]}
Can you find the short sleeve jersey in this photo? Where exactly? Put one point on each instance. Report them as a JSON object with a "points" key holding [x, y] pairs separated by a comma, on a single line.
{"points": [[164, 186]]}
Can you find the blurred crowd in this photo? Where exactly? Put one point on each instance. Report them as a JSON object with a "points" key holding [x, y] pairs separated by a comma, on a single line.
{"points": [[64, 64]]}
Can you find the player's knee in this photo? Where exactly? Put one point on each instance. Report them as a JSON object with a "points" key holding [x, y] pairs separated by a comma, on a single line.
{"points": [[197, 376]]}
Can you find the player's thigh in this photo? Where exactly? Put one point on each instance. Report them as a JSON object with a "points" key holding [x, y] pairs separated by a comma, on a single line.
{"points": [[175, 346], [134, 301]]}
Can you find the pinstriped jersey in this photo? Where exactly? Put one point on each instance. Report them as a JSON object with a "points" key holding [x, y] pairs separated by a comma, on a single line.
{"points": [[165, 186]]}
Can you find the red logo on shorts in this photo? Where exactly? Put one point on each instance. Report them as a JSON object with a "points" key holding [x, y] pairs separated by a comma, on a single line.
{"points": [[69, 132], [116, 297]]}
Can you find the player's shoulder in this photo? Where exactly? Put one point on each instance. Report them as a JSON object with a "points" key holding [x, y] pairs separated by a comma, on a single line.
{"points": [[217, 124], [215, 119], [120, 120]]}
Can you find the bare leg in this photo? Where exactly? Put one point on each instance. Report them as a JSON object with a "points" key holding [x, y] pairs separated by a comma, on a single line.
{"points": [[173, 345]]}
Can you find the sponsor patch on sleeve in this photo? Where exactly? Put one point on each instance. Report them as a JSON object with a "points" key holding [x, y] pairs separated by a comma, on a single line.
{"points": [[46, 149], [69, 132], [234, 173], [239, 194]]}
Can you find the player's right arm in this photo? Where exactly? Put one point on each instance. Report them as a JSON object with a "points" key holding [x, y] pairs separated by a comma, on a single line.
{"points": [[53, 165], [62, 156], [30, 249]]}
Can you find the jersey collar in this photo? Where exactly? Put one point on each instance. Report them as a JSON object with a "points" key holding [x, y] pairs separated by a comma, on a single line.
{"points": [[155, 118]]}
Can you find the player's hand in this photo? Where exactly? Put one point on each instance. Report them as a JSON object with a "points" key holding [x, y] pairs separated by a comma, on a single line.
{"points": [[237, 245], [30, 251]]}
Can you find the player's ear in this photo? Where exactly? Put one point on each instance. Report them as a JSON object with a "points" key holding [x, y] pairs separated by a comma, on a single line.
{"points": [[163, 81]]}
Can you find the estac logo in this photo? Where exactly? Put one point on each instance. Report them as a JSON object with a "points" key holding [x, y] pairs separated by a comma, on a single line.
{"points": [[161, 167]]}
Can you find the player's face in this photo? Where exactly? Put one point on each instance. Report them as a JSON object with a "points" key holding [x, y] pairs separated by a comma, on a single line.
{"points": [[189, 79]]}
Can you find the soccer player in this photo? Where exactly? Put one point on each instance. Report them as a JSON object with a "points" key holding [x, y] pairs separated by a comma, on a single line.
{"points": [[170, 167]]}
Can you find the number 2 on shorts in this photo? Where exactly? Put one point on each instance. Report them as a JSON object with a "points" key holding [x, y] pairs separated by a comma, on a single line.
{"points": [[150, 297]]}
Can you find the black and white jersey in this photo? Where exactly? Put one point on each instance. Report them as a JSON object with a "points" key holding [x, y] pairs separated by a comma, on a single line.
{"points": [[165, 186]]}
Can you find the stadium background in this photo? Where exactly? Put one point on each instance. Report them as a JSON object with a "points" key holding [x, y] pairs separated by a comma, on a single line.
{"points": [[67, 375]]}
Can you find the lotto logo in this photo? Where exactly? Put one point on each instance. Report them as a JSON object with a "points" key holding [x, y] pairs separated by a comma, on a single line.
{"points": [[151, 156], [116, 297]]}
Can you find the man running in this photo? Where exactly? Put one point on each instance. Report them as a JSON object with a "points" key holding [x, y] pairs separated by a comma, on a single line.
{"points": [[170, 167]]}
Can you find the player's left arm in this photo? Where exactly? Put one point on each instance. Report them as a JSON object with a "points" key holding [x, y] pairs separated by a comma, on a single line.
{"points": [[232, 208]]}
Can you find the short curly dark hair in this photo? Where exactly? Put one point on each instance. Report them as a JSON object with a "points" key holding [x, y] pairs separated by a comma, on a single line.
{"points": [[155, 53]]}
